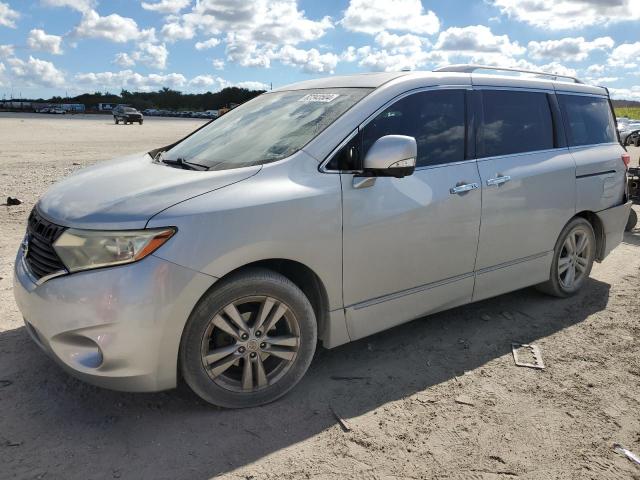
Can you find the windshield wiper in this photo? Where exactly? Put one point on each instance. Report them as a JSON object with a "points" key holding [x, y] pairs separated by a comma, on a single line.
{"points": [[180, 162]]}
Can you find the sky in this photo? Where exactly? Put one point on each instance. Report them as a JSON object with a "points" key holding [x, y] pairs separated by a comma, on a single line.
{"points": [[67, 47]]}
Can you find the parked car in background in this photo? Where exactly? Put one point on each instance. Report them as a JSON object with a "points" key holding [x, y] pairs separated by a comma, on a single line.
{"points": [[630, 132], [327, 210], [126, 114]]}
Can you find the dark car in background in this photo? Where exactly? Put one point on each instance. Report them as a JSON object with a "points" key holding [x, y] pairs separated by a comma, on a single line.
{"points": [[126, 114]]}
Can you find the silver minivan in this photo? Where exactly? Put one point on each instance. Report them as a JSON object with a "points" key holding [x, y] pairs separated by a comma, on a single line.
{"points": [[324, 211]]}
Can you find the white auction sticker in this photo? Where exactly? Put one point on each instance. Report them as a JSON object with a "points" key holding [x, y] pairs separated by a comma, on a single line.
{"points": [[319, 97]]}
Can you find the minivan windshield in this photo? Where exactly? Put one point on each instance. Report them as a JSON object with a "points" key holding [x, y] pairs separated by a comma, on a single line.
{"points": [[270, 127]]}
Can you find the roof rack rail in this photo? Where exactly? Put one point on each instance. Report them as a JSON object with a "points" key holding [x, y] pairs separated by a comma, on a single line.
{"points": [[470, 68]]}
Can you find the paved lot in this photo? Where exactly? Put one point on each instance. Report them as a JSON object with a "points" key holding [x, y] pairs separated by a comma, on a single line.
{"points": [[441, 397]]}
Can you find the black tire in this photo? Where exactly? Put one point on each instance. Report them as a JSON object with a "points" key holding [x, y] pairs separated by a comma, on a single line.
{"points": [[632, 221], [140, 122], [236, 288], [115, 119], [555, 286]]}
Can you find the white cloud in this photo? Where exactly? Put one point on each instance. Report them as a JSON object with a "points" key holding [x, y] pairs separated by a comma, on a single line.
{"points": [[568, 49], [253, 31], [631, 93], [556, 68], [595, 69], [381, 60], [203, 82], [6, 51], [476, 39], [166, 6], [8, 16], [80, 5], [39, 40], [252, 85], [311, 61], [399, 43], [130, 80], [36, 72], [625, 55], [569, 14], [392, 53], [150, 54], [212, 42], [218, 63], [124, 60], [372, 16], [112, 27], [350, 54], [176, 30], [600, 81], [242, 49]]}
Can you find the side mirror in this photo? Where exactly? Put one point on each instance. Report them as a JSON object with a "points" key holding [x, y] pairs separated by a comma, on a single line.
{"points": [[391, 156]]}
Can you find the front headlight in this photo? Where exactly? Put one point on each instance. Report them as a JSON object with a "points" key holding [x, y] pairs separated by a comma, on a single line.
{"points": [[87, 249]]}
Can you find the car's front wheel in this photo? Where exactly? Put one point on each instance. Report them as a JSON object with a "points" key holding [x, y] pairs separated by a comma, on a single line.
{"points": [[249, 340], [573, 258], [115, 119]]}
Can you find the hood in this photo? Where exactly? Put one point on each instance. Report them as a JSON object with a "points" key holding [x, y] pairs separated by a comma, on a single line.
{"points": [[125, 193]]}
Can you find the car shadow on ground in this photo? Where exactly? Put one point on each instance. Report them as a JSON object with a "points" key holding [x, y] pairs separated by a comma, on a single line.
{"points": [[56, 426]]}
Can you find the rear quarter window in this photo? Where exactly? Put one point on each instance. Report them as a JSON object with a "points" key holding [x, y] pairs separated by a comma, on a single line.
{"points": [[588, 120], [514, 122]]}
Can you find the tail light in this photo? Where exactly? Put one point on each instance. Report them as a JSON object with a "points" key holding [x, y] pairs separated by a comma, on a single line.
{"points": [[626, 158]]}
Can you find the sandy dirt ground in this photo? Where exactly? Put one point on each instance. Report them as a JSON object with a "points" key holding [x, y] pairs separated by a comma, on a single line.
{"points": [[437, 398]]}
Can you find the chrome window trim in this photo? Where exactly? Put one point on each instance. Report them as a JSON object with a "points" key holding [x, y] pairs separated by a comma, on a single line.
{"points": [[366, 121], [513, 89], [521, 154], [447, 164], [590, 145], [582, 94]]}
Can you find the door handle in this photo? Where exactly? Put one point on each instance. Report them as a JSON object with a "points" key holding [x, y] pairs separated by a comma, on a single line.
{"points": [[498, 180], [458, 189]]}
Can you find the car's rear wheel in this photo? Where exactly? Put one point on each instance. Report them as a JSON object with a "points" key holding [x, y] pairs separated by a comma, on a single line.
{"points": [[116, 120], [573, 258], [249, 340]]}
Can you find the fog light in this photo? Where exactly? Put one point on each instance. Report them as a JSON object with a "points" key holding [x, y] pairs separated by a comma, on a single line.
{"points": [[90, 358], [77, 350]]}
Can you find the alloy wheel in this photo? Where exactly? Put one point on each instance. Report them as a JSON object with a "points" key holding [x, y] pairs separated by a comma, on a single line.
{"points": [[574, 259], [250, 343]]}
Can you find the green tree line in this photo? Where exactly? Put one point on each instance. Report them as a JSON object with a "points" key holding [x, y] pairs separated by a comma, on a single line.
{"points": [[164, 99]]}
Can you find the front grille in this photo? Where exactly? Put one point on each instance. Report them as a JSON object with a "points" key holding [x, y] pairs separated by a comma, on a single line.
{"points": [[41, 258]]}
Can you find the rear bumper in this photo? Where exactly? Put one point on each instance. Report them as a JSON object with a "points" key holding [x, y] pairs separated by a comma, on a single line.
{"points": [[117, 328], [613, 222]]}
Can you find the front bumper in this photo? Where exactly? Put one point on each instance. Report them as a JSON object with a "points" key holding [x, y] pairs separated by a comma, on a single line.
{"points": [[117, 328]]}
